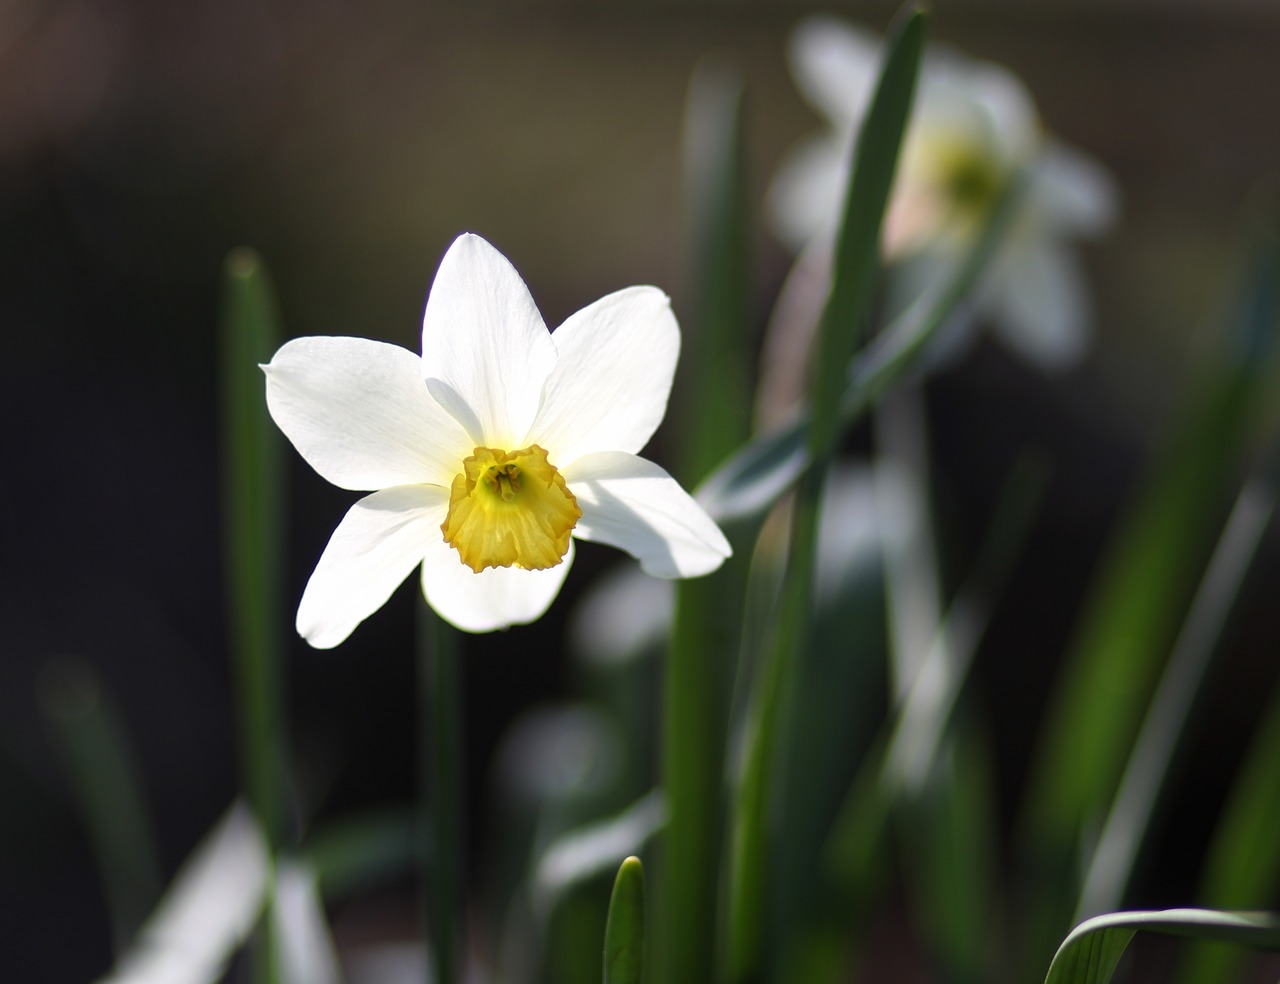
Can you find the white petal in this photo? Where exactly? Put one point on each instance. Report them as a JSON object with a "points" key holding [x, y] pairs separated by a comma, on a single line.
{"points": [[495, 598], [808, 190], [379, 541], [631, 503], [357, 410], [1074, 193], [615, 360], [1039, 306], [836, 66], [621, 615], [486, 351]]}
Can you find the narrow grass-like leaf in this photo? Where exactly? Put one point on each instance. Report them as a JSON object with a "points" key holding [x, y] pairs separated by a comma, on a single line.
{"points": [[937, 775], [857, 250], [906, 756], [751, 480], [840, 687], [624, 932], [1242, 865], [1135, 802], [950, 857], [440, 792], [714, 404], [854, 271], [924, 715], [1144, 585], [1089, 955], [714, 396], [105, 778], [253, 514]]}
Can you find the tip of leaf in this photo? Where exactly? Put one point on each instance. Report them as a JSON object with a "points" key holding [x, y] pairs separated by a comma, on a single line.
{"points": [[243, 263], [910, 18]]}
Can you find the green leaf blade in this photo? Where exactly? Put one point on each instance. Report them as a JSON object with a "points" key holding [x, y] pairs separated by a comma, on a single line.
{"points": [[857, 251], [753, 940], [624, 932], [714, 405], [253, 511]]}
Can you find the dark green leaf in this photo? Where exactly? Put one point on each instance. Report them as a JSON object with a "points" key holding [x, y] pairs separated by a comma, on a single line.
{"points": [[106, 780], [714, 407], [749, 934], [253, 511]]}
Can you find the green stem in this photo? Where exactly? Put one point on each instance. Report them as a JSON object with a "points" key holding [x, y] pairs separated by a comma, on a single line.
{"points": [[253, 499], [441, 765]]}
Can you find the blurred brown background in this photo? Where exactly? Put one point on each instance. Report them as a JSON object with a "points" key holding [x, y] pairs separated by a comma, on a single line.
{"points": [[349, 143]]}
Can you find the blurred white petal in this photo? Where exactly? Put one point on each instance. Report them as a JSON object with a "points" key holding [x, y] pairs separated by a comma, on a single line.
{"points": [[595, 849], [836, 66], [208, 911], [1077, 195], [553, 753], [306, 948], [1040, 307], [389, 963], [621, 614]]}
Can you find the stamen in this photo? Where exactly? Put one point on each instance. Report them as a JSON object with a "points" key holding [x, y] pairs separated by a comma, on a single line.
{"points": [[507, 482]]}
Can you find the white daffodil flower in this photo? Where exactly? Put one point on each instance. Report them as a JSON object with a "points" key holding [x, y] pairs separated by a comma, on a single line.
{"points": [[490, 453], [973, 126]]}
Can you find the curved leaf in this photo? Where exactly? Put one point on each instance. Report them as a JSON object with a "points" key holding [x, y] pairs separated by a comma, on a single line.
{"points": [[1090, 953]]}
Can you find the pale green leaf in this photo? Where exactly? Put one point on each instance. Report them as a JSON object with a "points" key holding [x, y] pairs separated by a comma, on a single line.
{"points": [[624, 932], [1089, 955]]}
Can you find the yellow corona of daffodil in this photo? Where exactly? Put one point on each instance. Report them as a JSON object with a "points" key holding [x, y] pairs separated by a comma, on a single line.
{"points": [[491, 453]]}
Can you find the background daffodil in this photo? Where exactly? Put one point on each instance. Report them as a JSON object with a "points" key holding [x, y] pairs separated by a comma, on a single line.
{"points": [[973, 127], [488, 455]]}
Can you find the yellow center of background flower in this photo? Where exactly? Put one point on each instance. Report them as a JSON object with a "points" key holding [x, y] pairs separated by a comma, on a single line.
{"points": [[952, 179], [510, 508]]}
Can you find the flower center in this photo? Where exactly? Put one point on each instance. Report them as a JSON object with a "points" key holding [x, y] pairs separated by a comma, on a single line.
{"points": [[510, 508], [971, 178]]}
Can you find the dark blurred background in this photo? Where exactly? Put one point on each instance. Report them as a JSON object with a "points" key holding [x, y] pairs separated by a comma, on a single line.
{"points": [[349, 143]]}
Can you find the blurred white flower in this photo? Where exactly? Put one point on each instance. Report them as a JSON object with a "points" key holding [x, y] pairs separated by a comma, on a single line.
{"points": [[490, 452], [973, 126]]}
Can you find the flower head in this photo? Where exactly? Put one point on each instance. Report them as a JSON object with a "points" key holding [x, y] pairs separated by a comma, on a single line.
{"points": [[973, 126], [491, 453]]}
